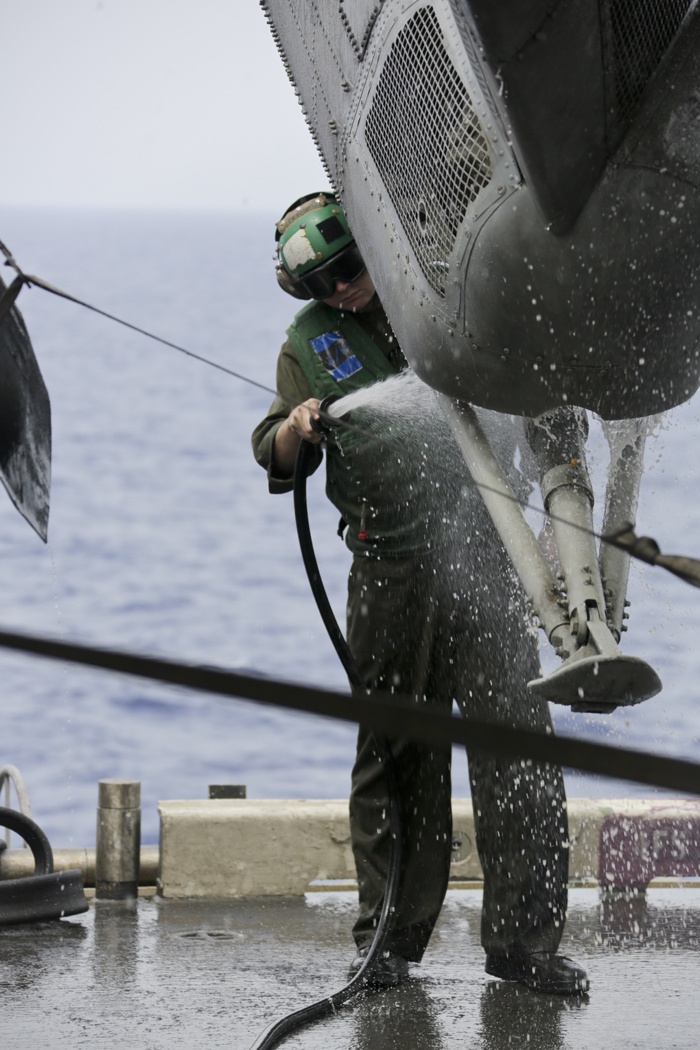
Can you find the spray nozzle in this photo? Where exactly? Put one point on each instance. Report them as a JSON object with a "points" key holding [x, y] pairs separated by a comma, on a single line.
{"points": [[325, 423]]}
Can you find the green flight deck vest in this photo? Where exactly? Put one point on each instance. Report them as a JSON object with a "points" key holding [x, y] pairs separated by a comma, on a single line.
{"points": [[368, 478]]}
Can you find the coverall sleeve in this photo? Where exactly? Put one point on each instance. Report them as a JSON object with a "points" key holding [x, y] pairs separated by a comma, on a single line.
{"points": [[292, 389]]}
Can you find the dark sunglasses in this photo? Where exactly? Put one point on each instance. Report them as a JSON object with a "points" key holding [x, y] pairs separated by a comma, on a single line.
{"points": [[346, 266]]}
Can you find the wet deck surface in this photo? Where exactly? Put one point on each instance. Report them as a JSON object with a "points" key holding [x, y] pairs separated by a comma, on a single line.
{"points": [[156, 974]]}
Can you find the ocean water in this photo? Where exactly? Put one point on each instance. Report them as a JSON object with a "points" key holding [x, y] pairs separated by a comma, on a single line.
{"points": [[163, 538]]}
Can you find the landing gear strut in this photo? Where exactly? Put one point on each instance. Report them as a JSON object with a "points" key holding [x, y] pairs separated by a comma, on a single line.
{"points": [[582, 609]]}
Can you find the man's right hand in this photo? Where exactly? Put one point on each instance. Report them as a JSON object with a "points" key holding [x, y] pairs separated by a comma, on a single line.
{"points": [[299, 421], [296, 428]]}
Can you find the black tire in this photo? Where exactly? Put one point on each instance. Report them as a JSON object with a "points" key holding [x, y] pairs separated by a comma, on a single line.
{"points": [[42, 898], [45, 894]]}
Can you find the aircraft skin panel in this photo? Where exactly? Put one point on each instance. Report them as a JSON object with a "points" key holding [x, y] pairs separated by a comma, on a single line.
{"points": [[602, 345], [552, 80], [358, 18], [507, 27], [533, 242], [572, 74]]}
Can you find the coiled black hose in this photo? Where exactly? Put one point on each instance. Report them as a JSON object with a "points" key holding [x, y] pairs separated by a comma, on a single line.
{"points": [[279, 1029]]}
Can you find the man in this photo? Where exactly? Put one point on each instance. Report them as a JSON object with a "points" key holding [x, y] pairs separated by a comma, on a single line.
{"points": [[432, 614]]}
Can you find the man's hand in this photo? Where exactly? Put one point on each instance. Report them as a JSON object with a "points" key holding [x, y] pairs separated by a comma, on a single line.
{"points": [[296, 428], [299, 421]]}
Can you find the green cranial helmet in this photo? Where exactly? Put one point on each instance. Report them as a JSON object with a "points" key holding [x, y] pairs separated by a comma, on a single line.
{"points": [[311, 232]]}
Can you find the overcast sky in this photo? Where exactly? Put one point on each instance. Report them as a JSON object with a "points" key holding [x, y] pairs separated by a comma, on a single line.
{"points": [[148, 103]]}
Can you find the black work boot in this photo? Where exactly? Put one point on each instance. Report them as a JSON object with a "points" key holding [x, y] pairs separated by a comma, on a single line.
{"points": [[541, 971], [386, 970]]}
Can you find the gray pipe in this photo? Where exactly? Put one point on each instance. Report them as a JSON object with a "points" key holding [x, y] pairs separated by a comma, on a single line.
{"points": [[19, 863]]}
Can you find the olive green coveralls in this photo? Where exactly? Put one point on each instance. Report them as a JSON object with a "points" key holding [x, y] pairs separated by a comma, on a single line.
{"points": [[440, 621]]}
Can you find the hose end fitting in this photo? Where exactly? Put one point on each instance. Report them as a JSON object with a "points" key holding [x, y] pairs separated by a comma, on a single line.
{"points": [[325, 423]]}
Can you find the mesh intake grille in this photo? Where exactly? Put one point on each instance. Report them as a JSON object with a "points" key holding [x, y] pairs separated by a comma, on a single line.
{"points": [[426, 142], [640, 32]]}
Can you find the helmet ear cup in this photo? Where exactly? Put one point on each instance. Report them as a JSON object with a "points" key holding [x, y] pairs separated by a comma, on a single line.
{"points": [[288, 284]]}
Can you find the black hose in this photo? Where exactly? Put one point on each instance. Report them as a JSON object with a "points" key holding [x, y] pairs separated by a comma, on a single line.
{"points": [[279, 1029]]}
